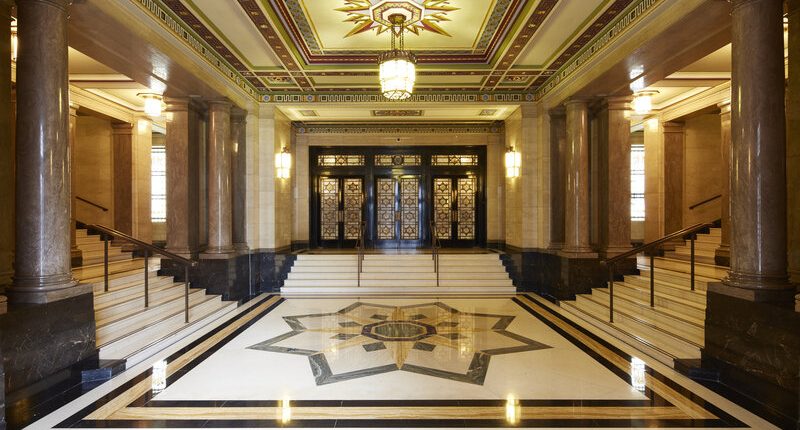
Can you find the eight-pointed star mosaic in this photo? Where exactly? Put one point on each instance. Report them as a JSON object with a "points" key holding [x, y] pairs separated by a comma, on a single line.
{"points": [[431, 339]]}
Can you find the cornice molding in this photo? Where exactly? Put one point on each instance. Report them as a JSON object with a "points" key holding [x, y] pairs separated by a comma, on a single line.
{"points": [[711, 97], [91, 101], [427, 128]]}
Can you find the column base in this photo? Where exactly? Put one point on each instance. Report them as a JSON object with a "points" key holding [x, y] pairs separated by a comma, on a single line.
{"points": [[613, 251], [722, 256], [775, 290], [241, 247], [578, 253], [33, 292], [183, 252], [218, 254], [556, 246]]}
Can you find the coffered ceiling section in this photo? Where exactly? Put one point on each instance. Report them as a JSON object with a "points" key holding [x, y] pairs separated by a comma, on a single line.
{"points": [[331, 46]]}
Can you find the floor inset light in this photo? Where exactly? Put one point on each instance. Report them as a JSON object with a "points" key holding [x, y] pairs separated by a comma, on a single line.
{"points": [[513, 411], [158, 376], [286, 411], [638, 374]]}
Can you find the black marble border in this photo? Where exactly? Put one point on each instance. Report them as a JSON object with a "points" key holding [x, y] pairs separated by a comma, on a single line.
{"points": [[724, 419]]}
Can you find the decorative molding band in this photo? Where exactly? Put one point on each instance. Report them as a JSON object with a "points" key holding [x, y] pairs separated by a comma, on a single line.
{"points": [[490, 128], [710, 97], [622, 23], [372, 98], [159, 13]]}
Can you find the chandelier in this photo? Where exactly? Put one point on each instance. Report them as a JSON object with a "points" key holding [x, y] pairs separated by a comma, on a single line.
{"points": [[398, 70]]}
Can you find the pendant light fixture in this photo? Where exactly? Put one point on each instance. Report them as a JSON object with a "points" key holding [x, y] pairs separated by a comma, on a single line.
{"points": [[153, 104], [643, 101], [397, 66]]}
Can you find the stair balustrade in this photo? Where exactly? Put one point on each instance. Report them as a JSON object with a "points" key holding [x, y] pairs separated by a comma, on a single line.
{"points": [[653, 247], [435, 245], [147, 248]]}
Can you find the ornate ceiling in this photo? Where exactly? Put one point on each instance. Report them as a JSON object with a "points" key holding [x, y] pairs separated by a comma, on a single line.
{"points": [[306, 50]]}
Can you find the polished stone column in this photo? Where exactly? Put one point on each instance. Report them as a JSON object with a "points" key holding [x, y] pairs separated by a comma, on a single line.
{"points": [[758, 156], [42, 264], [722, 255], [576, 209], [6, 148], [673, 177], [183, 204], [76, 256], [219, 179], [239, 175], [615, 180], [793, 141], [558, 159], [122, 155]]}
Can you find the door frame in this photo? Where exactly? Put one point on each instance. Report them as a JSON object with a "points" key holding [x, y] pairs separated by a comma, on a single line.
{"points": [[369, 171]]}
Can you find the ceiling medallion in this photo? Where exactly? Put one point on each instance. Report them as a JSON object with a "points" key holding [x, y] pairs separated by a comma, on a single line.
{"points": [[418, 15]]}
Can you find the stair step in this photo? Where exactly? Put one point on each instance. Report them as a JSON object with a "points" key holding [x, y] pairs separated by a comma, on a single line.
{"points": [[689, 308], [128, 291], [396, 275], [134, 303], [666, 288], [397, 290], [687, 257], [702, 269], [396, 283]]}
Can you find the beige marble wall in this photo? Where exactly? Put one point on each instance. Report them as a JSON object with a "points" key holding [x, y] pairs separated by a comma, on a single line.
{"points": [[703, 171], [637, 227], [654, 180], [142, 148], [158, 229], [793, 144], [252, 183], [301, 193], [495, 191], [92, 170], [284, 194], [513, 189]]}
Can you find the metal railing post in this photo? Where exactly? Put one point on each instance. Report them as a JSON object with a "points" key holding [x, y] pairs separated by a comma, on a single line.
{"points": [[105, 262], [186, 293], [611, 293], [652, 281], [693, 237], [146, 279]]}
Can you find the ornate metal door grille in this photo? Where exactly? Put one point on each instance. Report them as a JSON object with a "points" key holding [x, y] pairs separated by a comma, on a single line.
{"points": [[341, 207], [329, 212], [442, 203], [409, 207], [454, 207], [385, 208]]}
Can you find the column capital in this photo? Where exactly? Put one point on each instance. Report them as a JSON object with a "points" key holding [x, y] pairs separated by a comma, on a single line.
{"points": [[219, 105], [672, 127], [177, 104], [121, 128], [73, 107], [724, 107], [577, 101], [557, 111], [238, 115], [529, 110], [618, 102]]}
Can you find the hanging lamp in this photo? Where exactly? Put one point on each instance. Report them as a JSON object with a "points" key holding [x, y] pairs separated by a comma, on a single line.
{"points": [[398, 70]]}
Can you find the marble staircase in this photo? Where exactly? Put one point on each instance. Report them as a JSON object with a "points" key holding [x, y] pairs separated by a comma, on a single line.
{"points": [[92, 248], [397, 274], [675, 327], [125, 329]]}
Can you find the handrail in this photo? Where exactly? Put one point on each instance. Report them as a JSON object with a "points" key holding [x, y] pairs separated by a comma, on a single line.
{"points": [[691, 232], [103, 208], [435, 245], [148, 248], [360, 246], [710, 199]]}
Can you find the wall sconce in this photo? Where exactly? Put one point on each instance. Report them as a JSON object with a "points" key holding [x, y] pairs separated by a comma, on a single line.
{"points": [[643, 102], [283, 163], [14, 41], [153, 104], [513, 162]]}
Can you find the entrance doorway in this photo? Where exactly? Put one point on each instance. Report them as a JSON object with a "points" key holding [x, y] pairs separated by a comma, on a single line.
{"points": [[402, 195]]}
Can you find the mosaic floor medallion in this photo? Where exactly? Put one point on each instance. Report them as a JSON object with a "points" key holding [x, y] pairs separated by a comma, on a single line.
{"points": [[430, 339]]}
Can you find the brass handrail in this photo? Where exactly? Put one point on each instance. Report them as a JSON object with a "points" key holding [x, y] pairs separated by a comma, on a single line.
{"points": [[89, 202], [708, 200], [148, 248], [435, 245], [360, 248], [691, 232]]}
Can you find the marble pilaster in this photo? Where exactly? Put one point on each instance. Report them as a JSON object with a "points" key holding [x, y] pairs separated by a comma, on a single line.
{"points": [[76, 255], [615, 177], [239, 175], [183, 203], [122, 155], [722, 256], [758, 270], [6, 148], [793, 141], [558, 150], [576, 209], [673, 177], [43, 210], [219, 179]]}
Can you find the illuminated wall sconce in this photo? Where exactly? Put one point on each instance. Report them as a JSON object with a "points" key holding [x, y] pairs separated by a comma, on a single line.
{"points": [[643, 102], [283, 163], [513, 163], [14, 41], [153, 104]]}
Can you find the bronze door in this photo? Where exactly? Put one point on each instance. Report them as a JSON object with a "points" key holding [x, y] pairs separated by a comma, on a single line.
{"points": [[341, 210], [454, 207], [398, 211]]}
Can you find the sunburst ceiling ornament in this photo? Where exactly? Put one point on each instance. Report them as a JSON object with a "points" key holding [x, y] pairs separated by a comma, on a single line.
{"points": [[420, 15]]}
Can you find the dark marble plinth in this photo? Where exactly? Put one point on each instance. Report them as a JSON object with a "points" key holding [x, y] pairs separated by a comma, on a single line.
{"points": [[2, 393], [755, 347], [273, 268], [39, 341], [555, 277]]}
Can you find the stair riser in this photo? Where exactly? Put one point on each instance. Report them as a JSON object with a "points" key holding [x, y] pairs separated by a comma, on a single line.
{"points": [[396, 283], [133, 291], [115, 283], [396, 275], [138, 320], [156, 297], [643, 297], [677, 278], [681, 292], [393, 292], [684, 267]]}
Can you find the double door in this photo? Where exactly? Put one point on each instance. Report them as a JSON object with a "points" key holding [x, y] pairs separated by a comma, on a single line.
{"points": [[341, 210], [454, 207], [399, 208]]}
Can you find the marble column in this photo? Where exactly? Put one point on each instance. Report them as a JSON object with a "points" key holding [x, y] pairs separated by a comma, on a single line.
{"points": [[122, 155], [576, 201], [239, 175], [76, 256], [758, 156], [793, 141], [615, 180], [183, 203], [558, 153], [722, 255], [673, 178], [220, 228], [6, 148], [42, 264]]}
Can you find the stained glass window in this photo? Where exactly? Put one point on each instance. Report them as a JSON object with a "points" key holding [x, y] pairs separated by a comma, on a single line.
{"points": [[397, 160], [158, 184], [637, 182], [340, 160], [454, 160]]}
